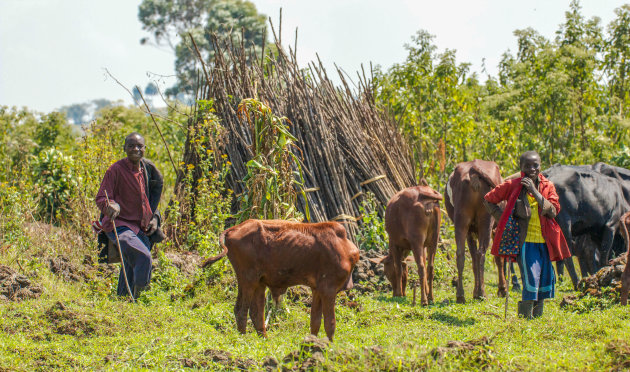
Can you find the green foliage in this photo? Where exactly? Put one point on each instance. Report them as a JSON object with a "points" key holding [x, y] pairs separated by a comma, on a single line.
{"points": [[198, 213], [372, 234], [17, 129], [53, 131], [549, 97], [16, 208], [55, 182], [169, 23], [274, 174]]}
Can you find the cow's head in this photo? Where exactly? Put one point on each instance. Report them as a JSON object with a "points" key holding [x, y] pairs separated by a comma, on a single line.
{"points": [[388, 265]]}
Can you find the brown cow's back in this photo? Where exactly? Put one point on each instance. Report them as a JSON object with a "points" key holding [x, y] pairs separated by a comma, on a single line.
{"points": [[282, 254]]}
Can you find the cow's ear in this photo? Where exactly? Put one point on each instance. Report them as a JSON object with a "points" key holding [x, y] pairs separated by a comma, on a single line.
{"points": [[377, 260]]}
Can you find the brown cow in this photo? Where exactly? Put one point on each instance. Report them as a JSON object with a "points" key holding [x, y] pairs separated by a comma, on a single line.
{"points": [[412, 221], [280, 254], [465, 190], [625, 276]]}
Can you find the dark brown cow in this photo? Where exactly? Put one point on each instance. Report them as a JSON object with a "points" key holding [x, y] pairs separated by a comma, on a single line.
{"points": [[280, 254], [465, 190], [625, 276], [412, 221]]}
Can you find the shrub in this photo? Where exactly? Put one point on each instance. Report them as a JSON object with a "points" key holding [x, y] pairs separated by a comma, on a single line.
{"points": [[372, 234], [197, 214], [55, 183]]}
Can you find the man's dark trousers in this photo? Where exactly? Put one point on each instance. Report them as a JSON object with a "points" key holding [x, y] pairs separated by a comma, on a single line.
{"points": [[136, 250]]}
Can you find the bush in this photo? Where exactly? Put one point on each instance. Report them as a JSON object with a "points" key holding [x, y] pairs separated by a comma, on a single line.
{"points": [[197, 214], [16, 208], [372, 234], [55, 183]]}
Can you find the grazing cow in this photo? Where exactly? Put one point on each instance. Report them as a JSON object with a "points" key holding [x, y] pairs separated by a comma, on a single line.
{"points": [[592, 203], [280, 254], [465, 190], [412, 221], [624, 225]]}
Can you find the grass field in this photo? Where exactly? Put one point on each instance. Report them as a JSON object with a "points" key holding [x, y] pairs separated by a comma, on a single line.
{"points": [[180, 324]]}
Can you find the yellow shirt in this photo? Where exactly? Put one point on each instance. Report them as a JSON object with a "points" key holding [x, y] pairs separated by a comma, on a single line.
{"points": [[534, 232]]}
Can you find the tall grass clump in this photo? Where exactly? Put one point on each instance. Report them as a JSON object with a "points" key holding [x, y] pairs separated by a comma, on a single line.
{"points": [[274, 174]]}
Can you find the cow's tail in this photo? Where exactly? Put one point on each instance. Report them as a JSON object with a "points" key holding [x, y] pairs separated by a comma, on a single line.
{"points": [[449, 189], [209, 261]]}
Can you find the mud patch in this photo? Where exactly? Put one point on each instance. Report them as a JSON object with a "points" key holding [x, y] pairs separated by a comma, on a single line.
{"points": [[619, 352], [307, 357], [16, 287], [66, 321], [64, 268], [224, 358], [186, 262], [598, 291], [299, 294], [477, 353]]}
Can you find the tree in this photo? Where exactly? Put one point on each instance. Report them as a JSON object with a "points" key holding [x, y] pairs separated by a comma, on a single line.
{"points": [[53, 131], [170, 22], [617, 58]]}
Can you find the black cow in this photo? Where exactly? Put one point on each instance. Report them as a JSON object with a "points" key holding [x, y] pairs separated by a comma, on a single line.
{"points": [[591, 203]]}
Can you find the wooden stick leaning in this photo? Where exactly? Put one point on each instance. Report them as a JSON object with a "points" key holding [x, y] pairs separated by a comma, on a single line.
{"points": [[507, 284], [122, 260]]}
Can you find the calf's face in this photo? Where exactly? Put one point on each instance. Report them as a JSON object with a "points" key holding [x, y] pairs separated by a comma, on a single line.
{"points": [[390, 274]]}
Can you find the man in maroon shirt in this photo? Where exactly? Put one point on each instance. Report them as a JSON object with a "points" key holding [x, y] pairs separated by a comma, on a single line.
{"points": [[134, 187]]}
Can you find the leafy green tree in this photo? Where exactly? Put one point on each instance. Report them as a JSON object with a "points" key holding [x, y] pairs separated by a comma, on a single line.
{"points": [[170, 21], [617, 60], [53, 131]]}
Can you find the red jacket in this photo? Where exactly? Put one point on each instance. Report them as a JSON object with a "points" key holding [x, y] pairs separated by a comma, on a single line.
{"points": [[510, 190]]}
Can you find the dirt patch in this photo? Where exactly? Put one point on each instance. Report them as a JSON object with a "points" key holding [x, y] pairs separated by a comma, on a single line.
{"points": [[369, 277], [477, 353], [203, 360], [63, 267], [299, 294], [598, 291], [16, 287], [66, 321], [307, 357], [186, 262], [619, 352]]}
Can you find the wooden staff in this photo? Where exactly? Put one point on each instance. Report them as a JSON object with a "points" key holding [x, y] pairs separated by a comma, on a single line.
{"points": [[507, 292], [122, 260]]}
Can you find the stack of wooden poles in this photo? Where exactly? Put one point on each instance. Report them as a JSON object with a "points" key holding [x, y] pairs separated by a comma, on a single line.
{"points": [[347, 144]]}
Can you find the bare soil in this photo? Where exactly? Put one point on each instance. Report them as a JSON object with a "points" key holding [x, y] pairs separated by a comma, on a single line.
{"points": [[17, 287]]}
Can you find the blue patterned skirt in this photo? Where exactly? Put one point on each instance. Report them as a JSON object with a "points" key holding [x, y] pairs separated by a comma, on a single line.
{"points": [[537, 275]]}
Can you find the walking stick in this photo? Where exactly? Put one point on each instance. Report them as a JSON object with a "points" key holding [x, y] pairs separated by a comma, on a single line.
{"points": [[507, 283], [122, 260]]}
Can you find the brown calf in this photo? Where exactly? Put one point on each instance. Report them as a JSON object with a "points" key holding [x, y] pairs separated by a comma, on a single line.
{"points": [[465, 190], [280, 254], [625, 276], [412, 221]]}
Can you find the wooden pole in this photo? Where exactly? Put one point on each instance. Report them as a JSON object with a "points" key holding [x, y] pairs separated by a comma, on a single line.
{"points": [[122, 260]]}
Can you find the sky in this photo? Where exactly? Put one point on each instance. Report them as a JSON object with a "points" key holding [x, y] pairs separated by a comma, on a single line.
{"points": [[54, 52]]}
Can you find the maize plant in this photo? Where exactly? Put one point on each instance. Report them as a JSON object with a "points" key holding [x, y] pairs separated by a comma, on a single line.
{"points": [[274, 174]]}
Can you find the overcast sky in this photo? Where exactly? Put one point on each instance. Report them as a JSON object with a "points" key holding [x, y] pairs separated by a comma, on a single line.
{"points": [[53, 52]]}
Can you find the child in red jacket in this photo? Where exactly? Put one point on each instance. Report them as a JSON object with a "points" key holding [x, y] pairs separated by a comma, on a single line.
{"points": [[528, 233]]}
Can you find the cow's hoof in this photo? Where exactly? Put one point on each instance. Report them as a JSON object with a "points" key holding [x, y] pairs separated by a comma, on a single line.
{"points": [[461, 300]]}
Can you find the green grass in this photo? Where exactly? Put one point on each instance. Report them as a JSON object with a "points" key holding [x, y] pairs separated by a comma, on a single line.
{"points": [[92, 329]]}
